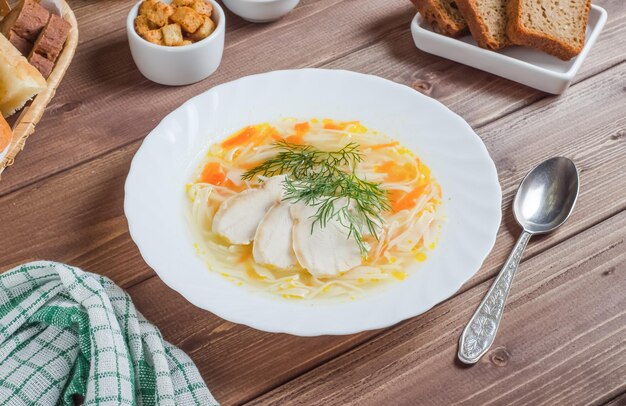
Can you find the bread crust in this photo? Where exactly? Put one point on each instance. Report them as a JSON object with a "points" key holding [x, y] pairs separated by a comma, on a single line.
{"points": [[6, 135], [477, 26], [438, 18], [521, 35]]}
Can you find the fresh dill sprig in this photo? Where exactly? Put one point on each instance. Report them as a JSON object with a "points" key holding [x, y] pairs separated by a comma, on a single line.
{"points": [[327, 180], [300, 161]]}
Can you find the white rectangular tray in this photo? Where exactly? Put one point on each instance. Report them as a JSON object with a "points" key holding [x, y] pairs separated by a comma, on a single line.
{"points": [[520, 64]]}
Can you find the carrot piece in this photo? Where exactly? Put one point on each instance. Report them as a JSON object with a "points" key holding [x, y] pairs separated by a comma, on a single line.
{"points": [[408, 200], [213, 174], [239, 138], [381, 146], [300, 129], [331, 125], [295, 139], [395, 172]]}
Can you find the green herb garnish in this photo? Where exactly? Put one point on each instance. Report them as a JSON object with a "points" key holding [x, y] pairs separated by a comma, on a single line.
{"points": [[327, 180]]}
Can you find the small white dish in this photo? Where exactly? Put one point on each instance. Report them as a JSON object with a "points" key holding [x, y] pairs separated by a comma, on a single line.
{"points": [[155, 201], [183, 65], [261, 11], [523, 65]]}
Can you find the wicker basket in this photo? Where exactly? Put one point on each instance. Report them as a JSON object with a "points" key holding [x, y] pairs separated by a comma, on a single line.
{"points": [[30, 115]]}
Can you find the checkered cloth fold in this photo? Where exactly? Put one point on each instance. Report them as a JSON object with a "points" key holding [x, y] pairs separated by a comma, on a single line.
{"points": [[65, 332]]}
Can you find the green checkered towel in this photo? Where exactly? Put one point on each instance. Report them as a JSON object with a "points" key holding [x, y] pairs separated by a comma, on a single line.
{"points": [[65, 332]]}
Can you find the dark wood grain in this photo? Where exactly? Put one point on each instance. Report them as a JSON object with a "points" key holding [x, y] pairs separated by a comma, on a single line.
{"points": [[561, 338], [619, 400]]}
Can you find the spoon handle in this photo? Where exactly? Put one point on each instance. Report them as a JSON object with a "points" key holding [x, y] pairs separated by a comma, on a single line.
{"points": [[481, 330]]}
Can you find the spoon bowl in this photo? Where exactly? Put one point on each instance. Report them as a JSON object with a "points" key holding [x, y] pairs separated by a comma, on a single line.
{"points": [[547, 195]]}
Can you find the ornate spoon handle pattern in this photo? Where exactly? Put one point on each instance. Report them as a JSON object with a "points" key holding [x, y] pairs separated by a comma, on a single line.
{"points": [[481, 330]]}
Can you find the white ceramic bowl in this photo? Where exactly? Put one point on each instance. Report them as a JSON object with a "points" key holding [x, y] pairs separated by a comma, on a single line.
{"points": [[183, 65], [155, 202], [521, 64], [261, 11]]}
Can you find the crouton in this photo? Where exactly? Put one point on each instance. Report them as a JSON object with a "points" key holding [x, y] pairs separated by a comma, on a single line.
{"points": [[202, 7], [154, 36], [143, 25], [146, 6], [172, 35], [207, 27], [186, 42], [189, 19], [182, 3], [159, 13]]}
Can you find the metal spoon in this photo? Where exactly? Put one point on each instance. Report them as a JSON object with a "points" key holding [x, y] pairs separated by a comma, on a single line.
{"points": [[544, 200]]}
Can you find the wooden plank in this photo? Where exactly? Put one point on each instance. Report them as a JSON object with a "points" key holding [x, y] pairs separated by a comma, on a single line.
{"points": [[77, 217], [620, 400], [548, 350], [103, 77], [103, 81]]}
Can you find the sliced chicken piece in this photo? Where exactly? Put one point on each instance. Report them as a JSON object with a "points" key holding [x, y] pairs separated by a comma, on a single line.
{"points": [[273, 243], [322, 251], [239, 216]]}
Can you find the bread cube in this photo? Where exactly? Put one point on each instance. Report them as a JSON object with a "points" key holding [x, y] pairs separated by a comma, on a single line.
{"points": [[172, 35], [159, 13], [143, 25], [146, 6], [202, 7], [181, 3], [207, 27], [43, 64], [52, 38], [22, 44], [26, 20], [154, 36], [189, 19], [186, 42]]}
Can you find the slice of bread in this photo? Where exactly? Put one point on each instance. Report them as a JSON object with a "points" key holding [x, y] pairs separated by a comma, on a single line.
{"points": [[50, 42], [19, 80], [486, 20], [27, 20], [43, 64], [442, 15], [557, 28], [22, 44]]}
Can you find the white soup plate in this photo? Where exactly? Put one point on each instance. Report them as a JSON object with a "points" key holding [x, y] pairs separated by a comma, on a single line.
{"points": [[156, 205]]}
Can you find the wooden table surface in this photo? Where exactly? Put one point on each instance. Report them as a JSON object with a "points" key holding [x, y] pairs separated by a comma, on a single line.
{"points": [[563, 336]]}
